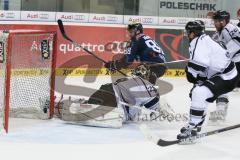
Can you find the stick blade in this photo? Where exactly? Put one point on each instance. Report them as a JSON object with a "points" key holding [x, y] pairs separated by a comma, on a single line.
{"points": [[164, 143], [60, 25]]}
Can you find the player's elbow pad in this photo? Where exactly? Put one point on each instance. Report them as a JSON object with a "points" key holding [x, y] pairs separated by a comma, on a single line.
{"points": [[191, 78], [195, 80]]}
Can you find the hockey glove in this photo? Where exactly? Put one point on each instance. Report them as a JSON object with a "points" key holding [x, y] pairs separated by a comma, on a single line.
{"points": [[111, 66]]}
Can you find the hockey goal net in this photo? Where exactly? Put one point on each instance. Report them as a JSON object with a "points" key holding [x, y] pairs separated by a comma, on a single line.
{"points": [[27, 64]]}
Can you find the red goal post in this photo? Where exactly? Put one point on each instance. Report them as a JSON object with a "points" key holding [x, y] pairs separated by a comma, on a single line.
{"points": [[27, 74]]}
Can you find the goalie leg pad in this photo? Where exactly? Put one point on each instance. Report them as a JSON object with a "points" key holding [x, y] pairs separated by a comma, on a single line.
{"points": [[92, 115], [135, 91]]}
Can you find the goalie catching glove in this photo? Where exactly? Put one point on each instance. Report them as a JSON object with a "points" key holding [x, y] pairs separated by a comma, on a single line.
{"points": [[148, 72]]}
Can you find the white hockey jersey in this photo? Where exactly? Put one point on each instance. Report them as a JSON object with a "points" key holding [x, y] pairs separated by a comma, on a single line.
{"points": [[230, 36], [208, 58]]}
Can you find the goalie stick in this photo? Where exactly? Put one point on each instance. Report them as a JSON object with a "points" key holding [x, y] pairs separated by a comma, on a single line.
{"points": [[164, 143]]}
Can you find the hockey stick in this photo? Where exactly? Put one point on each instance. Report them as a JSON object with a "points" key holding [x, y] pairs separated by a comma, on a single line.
{"points": [[164, 143], [169, 62], [61, 27]]}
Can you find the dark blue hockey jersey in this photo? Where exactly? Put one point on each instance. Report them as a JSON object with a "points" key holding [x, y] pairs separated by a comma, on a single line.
{"points": [[145, 49]]}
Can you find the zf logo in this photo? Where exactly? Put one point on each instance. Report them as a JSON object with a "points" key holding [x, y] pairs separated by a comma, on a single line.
{"points": [[1, 52], [45, 49]]}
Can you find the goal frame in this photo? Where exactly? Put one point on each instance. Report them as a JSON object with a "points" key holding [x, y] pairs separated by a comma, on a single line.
{"points": [[8, 74]]}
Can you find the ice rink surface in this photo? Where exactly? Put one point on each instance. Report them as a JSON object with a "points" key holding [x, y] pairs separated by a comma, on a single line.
{"points": [[55, 139]]}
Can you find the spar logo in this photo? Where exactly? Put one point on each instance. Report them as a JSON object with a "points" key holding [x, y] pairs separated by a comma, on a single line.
{"points": [[1, 52], [45, 49]]}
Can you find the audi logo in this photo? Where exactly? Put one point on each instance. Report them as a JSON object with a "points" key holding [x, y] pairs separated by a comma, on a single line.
{"points": [[147, 20], [10, 15], [112, 19], [43, 16], [79, 17]]}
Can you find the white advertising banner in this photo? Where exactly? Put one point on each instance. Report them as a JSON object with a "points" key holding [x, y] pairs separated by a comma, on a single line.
{"points": [[178, 21], [106, 18], [72, 17], [174, 21], [38, 16], [150, 20], [10, 15]]}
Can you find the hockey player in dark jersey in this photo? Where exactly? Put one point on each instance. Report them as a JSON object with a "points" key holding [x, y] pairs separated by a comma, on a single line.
{"points": [[142, 49], [145, 50]]}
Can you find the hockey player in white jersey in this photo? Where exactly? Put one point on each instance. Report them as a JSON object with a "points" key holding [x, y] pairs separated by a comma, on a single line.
{"points": [[211, 71], [229, 35]]}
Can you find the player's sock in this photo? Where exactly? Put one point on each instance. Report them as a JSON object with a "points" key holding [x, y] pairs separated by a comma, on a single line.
{"points": [[221, 110]]}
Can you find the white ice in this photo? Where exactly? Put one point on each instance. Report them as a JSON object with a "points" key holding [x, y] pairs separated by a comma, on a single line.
{"points": [[55, 139]]}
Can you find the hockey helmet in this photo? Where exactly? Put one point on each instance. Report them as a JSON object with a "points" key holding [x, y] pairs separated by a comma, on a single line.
{"points": [[134, 27], [196, 27], [221, 15]]}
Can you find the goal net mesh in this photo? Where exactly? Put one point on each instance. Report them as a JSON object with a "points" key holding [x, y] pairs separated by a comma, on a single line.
{"points": [[29, 58]]}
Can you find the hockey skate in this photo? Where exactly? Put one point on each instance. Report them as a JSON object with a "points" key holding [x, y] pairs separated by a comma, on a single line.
{"points": [[187, 134]]}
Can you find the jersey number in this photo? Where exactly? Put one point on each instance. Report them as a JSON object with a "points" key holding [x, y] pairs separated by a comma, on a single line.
{"points": [[152, 44]]}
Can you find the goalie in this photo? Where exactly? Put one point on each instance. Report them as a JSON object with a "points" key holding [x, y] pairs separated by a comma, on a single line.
{"points": [[116, 100]]}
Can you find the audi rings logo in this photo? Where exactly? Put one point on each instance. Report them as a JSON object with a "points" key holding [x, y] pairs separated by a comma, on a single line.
{"points": [[147, 20], [116, 47], [79, 17], [10, 15], [43, 16], [182, 21], [112, 19]]}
